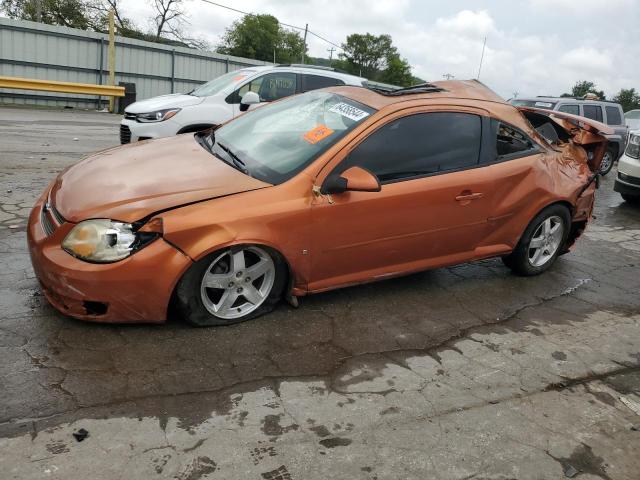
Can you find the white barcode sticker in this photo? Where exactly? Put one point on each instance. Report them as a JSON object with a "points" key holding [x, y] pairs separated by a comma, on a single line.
{"points": [[349, 111]]}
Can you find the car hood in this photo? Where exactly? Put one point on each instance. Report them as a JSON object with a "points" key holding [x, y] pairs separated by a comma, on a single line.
{"points": [[633, 123], [175, 100], [131, 182]]}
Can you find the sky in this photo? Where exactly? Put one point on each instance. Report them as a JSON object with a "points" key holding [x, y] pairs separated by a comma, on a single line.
{"points": [[534, 47]]}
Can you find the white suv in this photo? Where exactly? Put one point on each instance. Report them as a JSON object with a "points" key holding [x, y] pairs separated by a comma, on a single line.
{"points": [[628, 180], [224, 98]]}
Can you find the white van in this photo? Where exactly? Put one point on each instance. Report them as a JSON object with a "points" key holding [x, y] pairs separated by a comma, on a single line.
{"points": [[224, 98]]}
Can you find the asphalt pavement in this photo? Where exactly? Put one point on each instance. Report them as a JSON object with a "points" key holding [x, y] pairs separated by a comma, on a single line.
{"points": [[456, 373]]}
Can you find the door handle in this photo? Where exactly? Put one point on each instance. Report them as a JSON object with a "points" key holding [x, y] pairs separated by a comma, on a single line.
{"points": [[466, 196]]}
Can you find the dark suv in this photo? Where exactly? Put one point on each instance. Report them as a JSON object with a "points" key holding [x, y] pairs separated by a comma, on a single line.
{"points": [[609, 113]]}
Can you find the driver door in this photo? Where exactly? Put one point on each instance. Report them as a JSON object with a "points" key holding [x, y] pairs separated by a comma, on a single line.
{"points": [[432, 208], [270, 87]]}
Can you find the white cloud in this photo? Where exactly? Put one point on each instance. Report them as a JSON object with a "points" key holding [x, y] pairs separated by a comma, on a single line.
{"points": [[583, 8], [467, 23]]}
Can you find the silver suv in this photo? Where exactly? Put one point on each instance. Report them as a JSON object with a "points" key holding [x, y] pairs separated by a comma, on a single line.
{"points": [[609, 113]]}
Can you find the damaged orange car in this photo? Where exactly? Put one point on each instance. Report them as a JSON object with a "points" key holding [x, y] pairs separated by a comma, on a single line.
{"points": [[318, 191]]}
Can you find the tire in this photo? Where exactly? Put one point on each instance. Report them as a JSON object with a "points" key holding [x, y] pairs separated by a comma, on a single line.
{"points": [[523, 260], [212, 292], [607, 161], [633, 199]]}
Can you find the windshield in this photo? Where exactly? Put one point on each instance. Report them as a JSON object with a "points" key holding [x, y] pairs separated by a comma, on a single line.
{"points": [[275, 142], [533, 103], [218, 84], [632, 115]]}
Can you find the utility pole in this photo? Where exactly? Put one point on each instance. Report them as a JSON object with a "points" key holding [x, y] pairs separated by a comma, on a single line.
{"points": [[38, 10], [330, 50], [306, 27], [448, 76], [112, 57], [482, 57]]}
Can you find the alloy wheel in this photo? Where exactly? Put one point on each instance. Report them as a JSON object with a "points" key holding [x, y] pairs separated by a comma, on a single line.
{"points": [[546, 241], [607, 161], [237, 282]]}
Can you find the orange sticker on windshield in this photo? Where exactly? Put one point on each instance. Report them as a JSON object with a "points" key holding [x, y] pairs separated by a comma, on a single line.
{"points": [[239, 77], [316, 134]]}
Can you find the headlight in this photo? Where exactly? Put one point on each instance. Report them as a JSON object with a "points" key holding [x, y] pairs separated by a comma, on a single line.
{"points": [[104, 241], [157, 116], [633, 147]]}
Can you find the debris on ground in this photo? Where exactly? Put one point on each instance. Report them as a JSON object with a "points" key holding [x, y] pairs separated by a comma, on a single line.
{"points": [[80, 434]]}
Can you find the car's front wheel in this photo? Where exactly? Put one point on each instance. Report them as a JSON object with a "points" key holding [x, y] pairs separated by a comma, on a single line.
{"points": [[634, 199], [541, 242], [231, 286]]}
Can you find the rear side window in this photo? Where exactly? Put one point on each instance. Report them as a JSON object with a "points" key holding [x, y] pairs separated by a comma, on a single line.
{"points": [[613, 115], [572, 109], [594, 112], [419, 145], [314, 82], [510, 141]]}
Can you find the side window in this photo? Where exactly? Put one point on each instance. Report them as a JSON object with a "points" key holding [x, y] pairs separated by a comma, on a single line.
{"points": [[314, 82], [613, 115], [572, 109], [594, 112], [277, 85], [417, 145], [253, 85], [509, 140]]}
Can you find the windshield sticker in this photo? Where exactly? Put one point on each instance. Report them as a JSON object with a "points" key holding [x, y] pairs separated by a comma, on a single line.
{"points": [[317, 133], [349, 111], [237, 78], [544, 104]]}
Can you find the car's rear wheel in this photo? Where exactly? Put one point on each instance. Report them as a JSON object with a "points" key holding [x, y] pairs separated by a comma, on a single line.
{"points": [[231, 286], [541, 242], [607, 161]]}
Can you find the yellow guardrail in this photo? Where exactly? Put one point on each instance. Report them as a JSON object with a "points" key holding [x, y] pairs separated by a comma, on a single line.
{"points": [[64, 87]]}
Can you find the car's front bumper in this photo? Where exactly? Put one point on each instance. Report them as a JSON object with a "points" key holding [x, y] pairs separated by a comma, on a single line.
{"points": [[136, 289], [132, 131], [628, 179]]}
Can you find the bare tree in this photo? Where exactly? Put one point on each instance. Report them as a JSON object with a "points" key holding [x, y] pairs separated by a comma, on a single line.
{"points": [[170, 20]]}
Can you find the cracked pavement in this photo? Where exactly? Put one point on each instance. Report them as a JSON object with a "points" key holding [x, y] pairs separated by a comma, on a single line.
{"points": [[456, 373]]}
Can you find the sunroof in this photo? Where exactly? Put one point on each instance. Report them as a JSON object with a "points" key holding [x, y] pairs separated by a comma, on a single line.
{"points": [[420, 88]]}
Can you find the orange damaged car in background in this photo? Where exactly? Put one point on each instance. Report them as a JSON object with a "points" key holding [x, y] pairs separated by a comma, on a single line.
{"points": [[318, 191]]}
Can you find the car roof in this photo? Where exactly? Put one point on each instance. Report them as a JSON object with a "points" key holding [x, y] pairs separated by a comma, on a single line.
{"points": [[451, 89], [311, 70], [567, 100]]}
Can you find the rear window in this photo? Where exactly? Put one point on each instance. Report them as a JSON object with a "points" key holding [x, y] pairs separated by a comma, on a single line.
{"points": [[314, 82], [613, 116], [572, 109], [594, 112], [632, 115], [533, 103]]}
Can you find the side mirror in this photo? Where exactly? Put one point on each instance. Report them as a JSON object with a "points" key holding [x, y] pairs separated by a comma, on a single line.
{"points": [[355, 179], [249, 98]]}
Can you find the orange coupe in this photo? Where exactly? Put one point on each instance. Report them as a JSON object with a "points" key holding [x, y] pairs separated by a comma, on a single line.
{"points": [[322, 190]]}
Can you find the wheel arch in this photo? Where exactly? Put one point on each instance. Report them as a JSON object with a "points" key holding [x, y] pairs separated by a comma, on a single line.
{"points": [[563, 202], [230, 245], [195, 127]]}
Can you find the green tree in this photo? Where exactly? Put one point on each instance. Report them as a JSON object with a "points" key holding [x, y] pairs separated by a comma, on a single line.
{"points": [[367, 54], [628, 98], [66, 13], [583, 87], [398, 72], [259, 36]]}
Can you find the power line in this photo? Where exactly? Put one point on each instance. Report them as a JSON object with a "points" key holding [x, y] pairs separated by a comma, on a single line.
{"points": [[281, 23]]}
